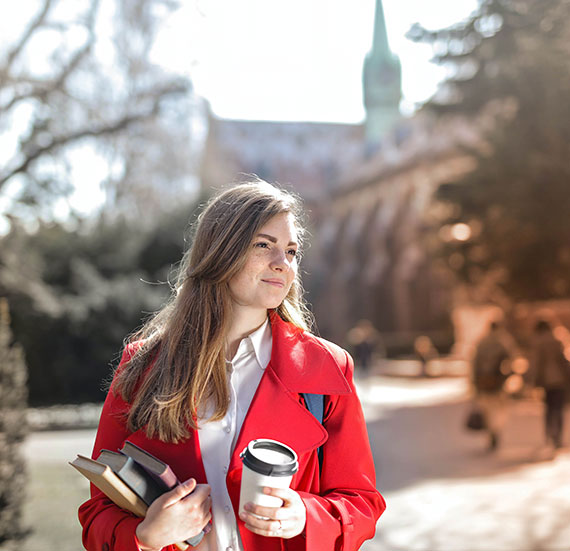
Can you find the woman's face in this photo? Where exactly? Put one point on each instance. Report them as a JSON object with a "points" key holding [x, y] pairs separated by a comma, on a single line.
{"points": [[270, 267]]}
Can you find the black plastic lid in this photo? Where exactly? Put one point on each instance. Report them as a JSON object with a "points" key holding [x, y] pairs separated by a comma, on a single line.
{"points": [[252, 461]]}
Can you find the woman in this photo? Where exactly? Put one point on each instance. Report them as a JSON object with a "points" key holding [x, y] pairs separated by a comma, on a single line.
{"points": [[225, 362]]}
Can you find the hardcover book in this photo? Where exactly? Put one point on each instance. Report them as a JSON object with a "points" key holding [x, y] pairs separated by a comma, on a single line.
{"points": [[110, 484], [151, 464], [132, 479], [134, 475]]}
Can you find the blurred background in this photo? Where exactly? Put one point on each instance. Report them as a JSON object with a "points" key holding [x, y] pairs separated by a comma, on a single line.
{"points": [[430, 143]]}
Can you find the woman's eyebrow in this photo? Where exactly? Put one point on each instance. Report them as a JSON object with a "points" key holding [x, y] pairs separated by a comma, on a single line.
{"points": [[274, 239]]}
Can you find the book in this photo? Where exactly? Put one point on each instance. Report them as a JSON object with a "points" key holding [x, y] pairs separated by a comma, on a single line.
{"points": [[130, 486], [162, 477], [151, 464], [148, 488], [110, 484]]}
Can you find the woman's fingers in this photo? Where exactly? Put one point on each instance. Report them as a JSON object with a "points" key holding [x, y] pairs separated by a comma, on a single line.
{"points": [[177, 515], [177, 493], [262, 520], [284, 522]]}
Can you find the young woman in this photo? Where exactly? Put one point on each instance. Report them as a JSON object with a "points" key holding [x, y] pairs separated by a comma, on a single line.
{"points": [[225, 362]]}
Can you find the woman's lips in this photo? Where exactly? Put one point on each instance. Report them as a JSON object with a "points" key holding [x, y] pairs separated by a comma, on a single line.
{"points": [[274, 282]]}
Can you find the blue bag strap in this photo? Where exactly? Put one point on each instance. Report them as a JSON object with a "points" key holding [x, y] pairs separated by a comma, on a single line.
{"points": [[315, 403]]}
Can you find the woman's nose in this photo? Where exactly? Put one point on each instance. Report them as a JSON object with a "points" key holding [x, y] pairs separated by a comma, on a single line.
{"points": [[279, 261]]}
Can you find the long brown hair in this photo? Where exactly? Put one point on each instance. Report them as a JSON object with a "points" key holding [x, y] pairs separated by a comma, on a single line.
{"points": [[180, 363]]}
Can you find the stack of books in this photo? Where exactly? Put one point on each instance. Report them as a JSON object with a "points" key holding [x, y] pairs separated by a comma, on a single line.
{"points": [[132, 478]]}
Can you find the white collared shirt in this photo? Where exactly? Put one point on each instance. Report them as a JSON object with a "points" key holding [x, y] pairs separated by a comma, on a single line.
{"points": [[218, 438]]}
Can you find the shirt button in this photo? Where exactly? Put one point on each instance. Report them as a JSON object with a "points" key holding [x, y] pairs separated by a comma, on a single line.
{"points": [[229, 549], [226, 509], [225, 470], [228, 430]]}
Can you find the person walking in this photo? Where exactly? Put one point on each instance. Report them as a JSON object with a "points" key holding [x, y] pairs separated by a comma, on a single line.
{"points": [[489, 372], [550, 369], [365, 341], [226, 361]]}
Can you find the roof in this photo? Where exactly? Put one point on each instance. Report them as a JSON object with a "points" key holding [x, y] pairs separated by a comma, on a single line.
{"points": [[309, 157]]}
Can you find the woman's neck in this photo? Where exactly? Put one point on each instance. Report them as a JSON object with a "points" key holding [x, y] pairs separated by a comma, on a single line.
{"points": [[244, 322]]}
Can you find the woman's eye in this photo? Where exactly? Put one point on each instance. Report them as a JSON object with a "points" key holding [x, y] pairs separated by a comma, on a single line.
{"points": [[262, 245], [292, 252]]}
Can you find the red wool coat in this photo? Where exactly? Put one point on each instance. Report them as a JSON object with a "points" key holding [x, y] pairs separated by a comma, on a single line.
{"points": [[342, 502]]}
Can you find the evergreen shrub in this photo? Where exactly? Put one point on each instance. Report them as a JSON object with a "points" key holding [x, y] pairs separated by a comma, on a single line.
{"points": [[13, 430]]}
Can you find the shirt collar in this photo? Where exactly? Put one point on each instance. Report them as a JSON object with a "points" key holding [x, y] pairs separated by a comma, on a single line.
{"points": [[259, 342], [262, 341]]}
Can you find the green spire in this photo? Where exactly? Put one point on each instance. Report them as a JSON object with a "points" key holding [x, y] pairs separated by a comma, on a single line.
{"points": [[382, 83], [380, 41]]}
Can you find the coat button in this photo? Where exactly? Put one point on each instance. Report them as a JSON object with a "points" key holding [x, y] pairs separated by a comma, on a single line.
{"points": [[105, 547]]}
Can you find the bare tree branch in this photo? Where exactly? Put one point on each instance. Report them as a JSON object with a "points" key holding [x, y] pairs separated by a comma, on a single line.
{"points": [[34, 25], [121, 105], [35, 151], [82, 52], [43, 88]]}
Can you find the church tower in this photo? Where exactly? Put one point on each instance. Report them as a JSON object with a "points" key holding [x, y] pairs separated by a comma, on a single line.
{"points": [[382, 84]]}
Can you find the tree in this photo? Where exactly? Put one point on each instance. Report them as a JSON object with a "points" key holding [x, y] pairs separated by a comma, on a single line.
{"points": [[505, 228], [78, 87], [13, 429], [76, 295], [81, 97]]}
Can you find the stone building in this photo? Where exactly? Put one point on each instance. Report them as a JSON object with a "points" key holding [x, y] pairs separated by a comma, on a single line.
{"points": [[368, 188], [308, 157], [382, 85], [371, 255]]}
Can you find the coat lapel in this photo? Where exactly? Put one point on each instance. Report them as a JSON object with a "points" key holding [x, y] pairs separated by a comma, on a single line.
{"points": [[299, 363], [277, 414]]}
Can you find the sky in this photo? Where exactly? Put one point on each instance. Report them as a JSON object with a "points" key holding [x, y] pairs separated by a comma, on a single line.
{"points": [[298, 59], [277, 60]]}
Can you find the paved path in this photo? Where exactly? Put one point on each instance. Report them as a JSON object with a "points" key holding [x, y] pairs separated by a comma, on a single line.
{"points": [[58, 447], [444, 491]]}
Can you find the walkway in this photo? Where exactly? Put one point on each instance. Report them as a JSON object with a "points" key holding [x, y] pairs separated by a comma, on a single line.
{"points": [[444, 491]]}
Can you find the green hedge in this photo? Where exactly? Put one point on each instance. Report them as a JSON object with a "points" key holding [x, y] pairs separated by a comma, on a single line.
{"points": [[75, 294], [13, 429]]}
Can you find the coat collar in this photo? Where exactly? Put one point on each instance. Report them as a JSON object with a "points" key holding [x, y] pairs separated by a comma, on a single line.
{"points": [[305, 363], [300, 362]]}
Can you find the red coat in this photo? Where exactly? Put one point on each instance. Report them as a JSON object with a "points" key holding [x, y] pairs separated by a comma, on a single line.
{"points": [[342, 502]]}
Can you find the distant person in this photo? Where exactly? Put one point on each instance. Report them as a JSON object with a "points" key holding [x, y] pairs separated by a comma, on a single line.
{"points": [[425, 352], [551, 372], [229, 359], [489, 373], [364, 340]]}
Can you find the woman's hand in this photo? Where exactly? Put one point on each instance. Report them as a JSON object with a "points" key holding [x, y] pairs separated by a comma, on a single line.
{"points": [[175, 516], [286, 521]]}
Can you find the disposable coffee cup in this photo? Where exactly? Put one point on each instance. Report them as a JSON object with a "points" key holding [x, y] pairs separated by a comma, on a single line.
{"points": [[266, 463]]}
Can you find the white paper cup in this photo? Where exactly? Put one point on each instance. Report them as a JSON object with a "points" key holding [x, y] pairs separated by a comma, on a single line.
{"points": [[266, 463]]}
